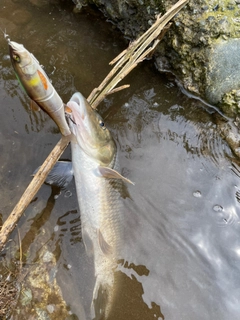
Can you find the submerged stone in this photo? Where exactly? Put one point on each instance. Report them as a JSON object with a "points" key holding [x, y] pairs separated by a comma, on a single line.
{"points": [[41, 297]]}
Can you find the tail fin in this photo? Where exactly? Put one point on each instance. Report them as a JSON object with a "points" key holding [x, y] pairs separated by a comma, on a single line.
{"points": [[101, 301]]}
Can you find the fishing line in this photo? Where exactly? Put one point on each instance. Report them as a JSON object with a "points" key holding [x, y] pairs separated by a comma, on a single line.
{"points": [[6, 36]]}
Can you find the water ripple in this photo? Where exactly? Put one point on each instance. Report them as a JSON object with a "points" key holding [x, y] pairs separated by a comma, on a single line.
{"points": [[225, 216]]}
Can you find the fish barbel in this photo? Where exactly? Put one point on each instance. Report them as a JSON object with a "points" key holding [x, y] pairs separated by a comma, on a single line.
{"points": [[37, 84], [99, 193]]}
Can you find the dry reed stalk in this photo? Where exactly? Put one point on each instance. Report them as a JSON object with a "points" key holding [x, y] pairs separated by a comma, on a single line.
{"points": [[137, 51]]}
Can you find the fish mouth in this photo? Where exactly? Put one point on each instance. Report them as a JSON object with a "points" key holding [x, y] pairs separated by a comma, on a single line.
{"points": [[76, 116], [77, 109], [78, 99], [16, 47]]}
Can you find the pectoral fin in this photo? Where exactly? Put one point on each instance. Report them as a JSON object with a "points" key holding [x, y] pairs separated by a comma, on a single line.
{"points": [[112, 174], [104, 246], [61, 174], [34, 106], [88, 243]]}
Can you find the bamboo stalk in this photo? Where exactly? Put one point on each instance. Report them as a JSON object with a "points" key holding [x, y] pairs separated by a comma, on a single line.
{"points": [[126, 61]]}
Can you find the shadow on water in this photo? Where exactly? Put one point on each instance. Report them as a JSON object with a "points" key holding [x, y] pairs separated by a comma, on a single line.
{"points": [[130, 281], [36, 223], [181, 254]]}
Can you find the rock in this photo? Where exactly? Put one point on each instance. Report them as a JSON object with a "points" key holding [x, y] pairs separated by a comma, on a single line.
{"points": [[223, 71], [203, 50]]}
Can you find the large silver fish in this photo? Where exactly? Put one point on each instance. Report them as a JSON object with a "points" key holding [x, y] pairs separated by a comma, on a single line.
{"points": [[99, 192], [37, 84]]}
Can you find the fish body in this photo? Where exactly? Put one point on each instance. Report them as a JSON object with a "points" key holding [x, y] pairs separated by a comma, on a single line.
{"points": [[99, 191], [37, 84]]}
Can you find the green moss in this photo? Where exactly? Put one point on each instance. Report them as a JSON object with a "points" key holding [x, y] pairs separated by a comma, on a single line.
{"points": [[222, 19], [230, 103]]}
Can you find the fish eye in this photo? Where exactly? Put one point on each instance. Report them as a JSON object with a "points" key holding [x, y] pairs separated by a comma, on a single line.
{"points": [[16, 57], [101, 123]]}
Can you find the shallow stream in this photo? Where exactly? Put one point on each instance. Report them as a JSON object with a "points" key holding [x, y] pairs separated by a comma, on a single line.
{"points": [[181, 219]]}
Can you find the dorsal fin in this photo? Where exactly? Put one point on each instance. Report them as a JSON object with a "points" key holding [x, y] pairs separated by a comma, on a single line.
{"points": [[43, 79]]}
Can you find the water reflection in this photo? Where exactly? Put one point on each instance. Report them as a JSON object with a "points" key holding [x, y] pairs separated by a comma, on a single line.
{"points": [[74, 228], [36, 226], [178, 219]]}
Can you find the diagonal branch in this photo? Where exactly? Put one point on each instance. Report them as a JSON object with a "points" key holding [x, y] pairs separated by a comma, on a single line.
{"points": [[32, 189]]}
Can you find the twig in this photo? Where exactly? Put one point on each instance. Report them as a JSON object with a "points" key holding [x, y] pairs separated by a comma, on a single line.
{"points": [[31, 190], [20, 250], [125, 86], [125, 62]]}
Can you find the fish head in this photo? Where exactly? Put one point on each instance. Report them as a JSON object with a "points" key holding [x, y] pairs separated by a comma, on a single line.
{"points": [[91, 134], [22, 59]]}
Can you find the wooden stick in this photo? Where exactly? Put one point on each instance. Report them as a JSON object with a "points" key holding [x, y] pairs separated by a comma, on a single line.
{"points": [[125, 62], [32, 189]]}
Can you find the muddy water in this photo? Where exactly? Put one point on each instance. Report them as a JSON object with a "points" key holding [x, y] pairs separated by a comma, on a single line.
{"points": [[181, 257]]}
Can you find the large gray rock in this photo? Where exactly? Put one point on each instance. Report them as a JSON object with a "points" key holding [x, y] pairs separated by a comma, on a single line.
{"points": [[201, 47], [223, 74]]}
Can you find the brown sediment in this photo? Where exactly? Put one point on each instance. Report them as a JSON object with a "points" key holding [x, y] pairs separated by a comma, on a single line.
{"points": [[9, 291]]}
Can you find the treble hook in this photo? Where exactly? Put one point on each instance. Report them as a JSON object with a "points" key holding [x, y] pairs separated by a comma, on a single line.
{"points": [[68, 116]]}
